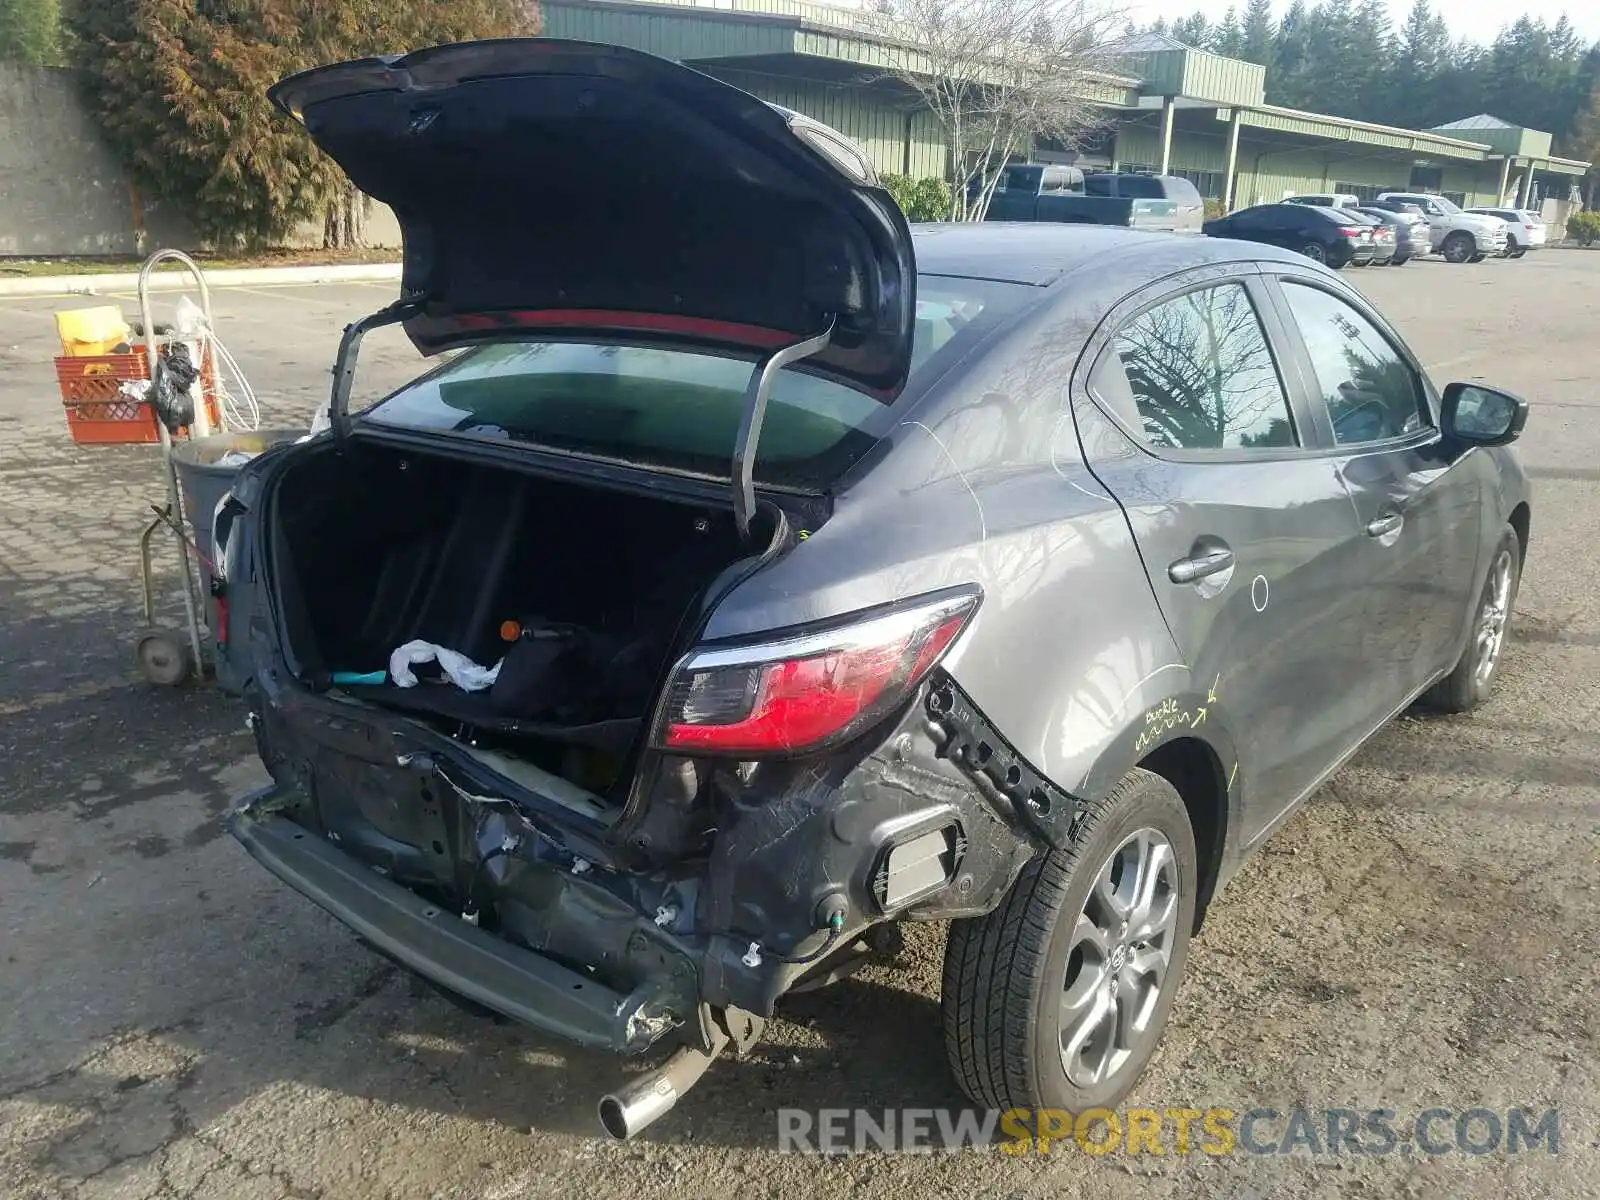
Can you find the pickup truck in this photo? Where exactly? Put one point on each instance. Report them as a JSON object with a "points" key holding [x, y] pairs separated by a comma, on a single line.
{"points": [[1459, 236], [1044, 192]]}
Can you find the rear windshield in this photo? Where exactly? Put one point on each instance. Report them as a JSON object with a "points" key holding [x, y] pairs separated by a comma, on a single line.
{"points": [[681, 409], [1139, 187]]}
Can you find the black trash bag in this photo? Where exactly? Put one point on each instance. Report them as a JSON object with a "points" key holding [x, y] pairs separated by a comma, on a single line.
{"points": [[572, 675], [538, 672], [169, 391]]}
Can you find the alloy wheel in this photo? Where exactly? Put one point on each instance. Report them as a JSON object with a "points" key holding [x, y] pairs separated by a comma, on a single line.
{"points": [[1117, 963], [1493, 616], [1315, 253]]}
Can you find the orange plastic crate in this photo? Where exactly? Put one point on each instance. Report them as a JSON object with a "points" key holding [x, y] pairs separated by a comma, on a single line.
{"points": [[97, 412]]}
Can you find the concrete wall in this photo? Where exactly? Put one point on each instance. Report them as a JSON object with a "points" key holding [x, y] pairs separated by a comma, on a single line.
{"points": [[63, 190]]}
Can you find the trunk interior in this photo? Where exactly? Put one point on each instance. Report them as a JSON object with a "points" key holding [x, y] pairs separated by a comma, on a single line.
{"points": [[580, 593]]}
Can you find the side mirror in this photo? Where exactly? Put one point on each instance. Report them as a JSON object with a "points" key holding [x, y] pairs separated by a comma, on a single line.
{"points": [[1482, 416]]}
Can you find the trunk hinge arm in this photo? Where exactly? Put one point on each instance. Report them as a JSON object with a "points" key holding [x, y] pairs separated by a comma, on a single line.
{"points": [[755, 412], [344, 365]]}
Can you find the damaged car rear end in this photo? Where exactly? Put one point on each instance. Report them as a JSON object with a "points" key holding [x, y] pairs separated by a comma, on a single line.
{"points": [[667, 810]]}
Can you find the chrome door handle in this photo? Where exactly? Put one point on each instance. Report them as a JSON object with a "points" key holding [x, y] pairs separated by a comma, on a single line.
{"points": [[1385, 525], [1192, 570]]}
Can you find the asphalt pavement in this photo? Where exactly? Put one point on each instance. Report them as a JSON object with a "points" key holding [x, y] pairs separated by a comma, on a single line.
{"points": [[174, 1023]]}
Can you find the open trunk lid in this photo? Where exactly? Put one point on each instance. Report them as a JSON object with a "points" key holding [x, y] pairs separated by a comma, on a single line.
{"points": [[556, 188]]}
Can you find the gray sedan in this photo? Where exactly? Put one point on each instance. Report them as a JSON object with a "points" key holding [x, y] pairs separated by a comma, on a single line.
{"points": [[764, 573]]}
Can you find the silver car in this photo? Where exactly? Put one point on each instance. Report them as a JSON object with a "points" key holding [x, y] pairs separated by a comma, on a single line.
{"points": [[764, 573]]}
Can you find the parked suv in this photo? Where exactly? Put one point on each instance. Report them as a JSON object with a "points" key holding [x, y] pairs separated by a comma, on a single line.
{"points": [[761, 574], [1459, 236], [1524, 230], [1048, 192]]}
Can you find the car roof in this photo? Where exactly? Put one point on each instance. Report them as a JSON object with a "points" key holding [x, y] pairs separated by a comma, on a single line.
{"points": [[1041, 252]]}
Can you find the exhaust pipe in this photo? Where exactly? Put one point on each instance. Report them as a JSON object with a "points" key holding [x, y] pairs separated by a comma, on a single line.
{"points": [[651, 1096]]}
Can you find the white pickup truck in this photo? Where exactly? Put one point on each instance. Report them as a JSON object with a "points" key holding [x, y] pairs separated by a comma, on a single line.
{"points": [[1459, 236]]}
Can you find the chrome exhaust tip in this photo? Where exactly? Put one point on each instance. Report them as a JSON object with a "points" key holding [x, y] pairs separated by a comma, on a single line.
{"points": [[629, 1109], [648, 1098]]}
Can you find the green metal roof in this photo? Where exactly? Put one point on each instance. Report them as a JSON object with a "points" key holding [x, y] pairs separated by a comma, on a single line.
{"points": [[1500, 136], [698, 32], [1166, 67], [1342, 129], [708, 31], [1561, 166]]}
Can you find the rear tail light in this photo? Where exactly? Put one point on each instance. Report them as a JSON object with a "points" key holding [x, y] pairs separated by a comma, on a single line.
{"points": [[811, 691], [1352, 232]]}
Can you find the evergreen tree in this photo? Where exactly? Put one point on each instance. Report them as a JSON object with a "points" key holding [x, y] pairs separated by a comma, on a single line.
{"points": [[1290, 51], [30, 32], [1227, 38], [1583, 142], [1258, 33], [1192, 31]]}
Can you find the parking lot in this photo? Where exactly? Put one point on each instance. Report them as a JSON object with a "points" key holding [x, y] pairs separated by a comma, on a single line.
{"points": [[1426, 932]]}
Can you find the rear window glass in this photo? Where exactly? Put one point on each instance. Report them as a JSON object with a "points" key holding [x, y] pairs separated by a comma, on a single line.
{"points": [[681, 409], [1182, 191], [1142, 187]]}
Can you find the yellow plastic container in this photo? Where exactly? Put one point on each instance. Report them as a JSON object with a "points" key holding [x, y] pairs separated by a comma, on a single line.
{"points": [[89, 331]]}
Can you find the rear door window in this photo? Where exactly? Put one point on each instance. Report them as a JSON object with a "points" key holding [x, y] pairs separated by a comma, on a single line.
{"points": [[681, 409], [1196, 373], [1256, 220], [1061, 181]]}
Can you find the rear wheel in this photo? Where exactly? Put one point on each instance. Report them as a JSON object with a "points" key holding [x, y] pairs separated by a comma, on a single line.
{"points": [[1314, 252], [1518, 253], [1469, 684], [1058, 998], [1459, 247]]}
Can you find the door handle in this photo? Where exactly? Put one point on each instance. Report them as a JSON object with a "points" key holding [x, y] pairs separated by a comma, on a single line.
{"points": [[1385, 525], [1192, 570]]}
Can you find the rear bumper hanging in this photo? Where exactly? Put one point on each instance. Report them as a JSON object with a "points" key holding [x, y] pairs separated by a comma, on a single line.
{"points": [[459, 957]]}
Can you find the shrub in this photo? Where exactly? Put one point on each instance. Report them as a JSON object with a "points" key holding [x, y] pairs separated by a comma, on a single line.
{"points": [[931, 200], [919, 199], [1214, 209], [1584, 227], [180, 86]]}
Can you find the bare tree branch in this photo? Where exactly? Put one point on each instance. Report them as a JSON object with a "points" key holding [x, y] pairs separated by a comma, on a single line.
{"points": [[999, 75]]}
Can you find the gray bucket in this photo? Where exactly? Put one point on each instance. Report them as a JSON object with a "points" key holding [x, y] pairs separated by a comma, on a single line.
{"points": [[204, 478]]}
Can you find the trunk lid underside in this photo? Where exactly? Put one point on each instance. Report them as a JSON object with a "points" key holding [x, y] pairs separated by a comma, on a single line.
{"points": [[567, 187]]}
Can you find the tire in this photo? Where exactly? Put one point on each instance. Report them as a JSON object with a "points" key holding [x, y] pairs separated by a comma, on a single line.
{"points": [[1470, 683], [1459, 247], [1518, 253], [1006, 974], [164, 656], [1315, 253], [1477, 258]]}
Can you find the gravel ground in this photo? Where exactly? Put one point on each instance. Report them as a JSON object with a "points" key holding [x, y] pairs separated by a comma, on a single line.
{"points": [[1423, 933]]}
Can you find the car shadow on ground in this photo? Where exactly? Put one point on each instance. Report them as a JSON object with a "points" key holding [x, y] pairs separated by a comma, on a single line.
{"points": [[390, 1040]]}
